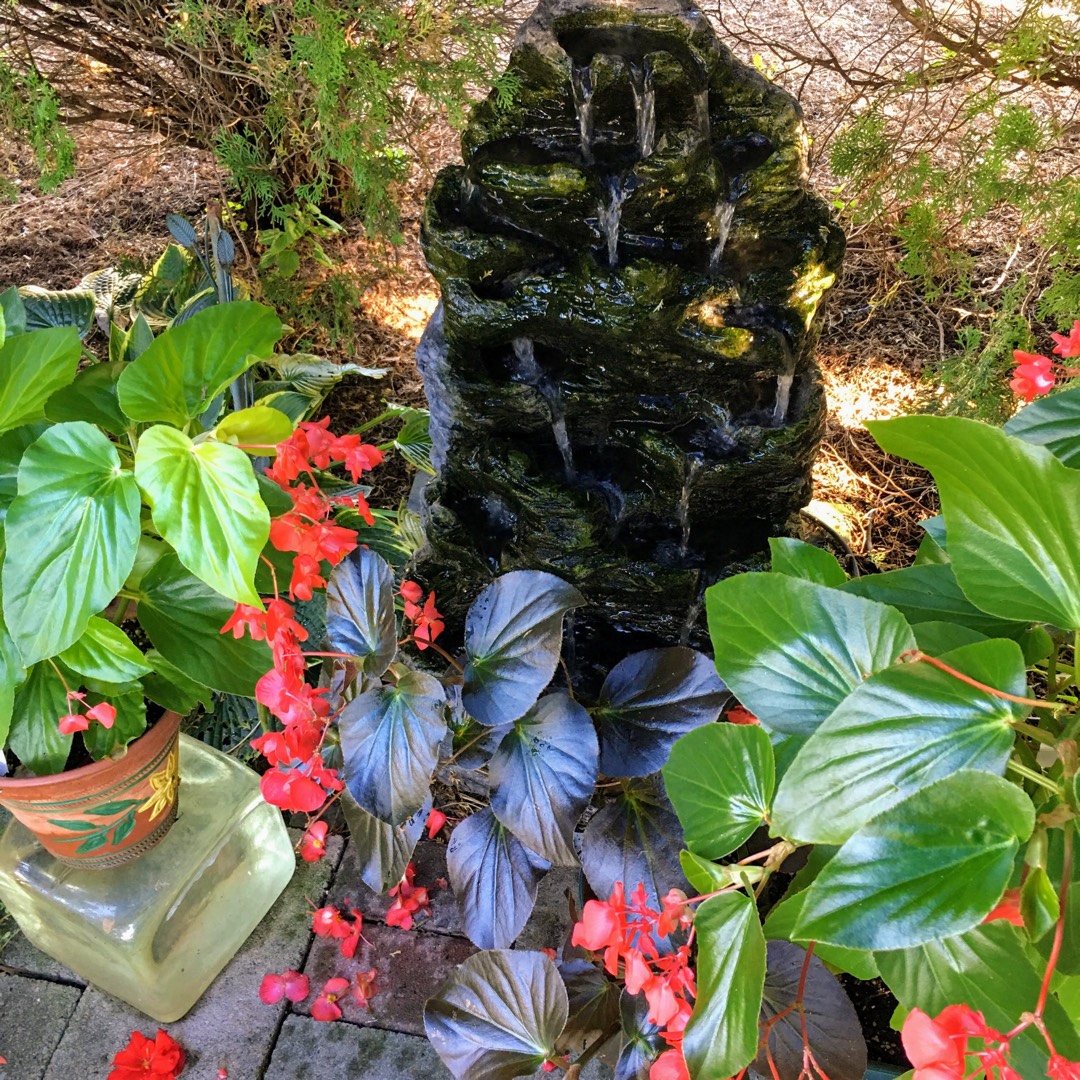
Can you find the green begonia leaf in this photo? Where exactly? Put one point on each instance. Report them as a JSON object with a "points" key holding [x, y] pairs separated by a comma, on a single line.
{"points": [[720, 779], [1012, 511], [899, 731], [185, 368], [801, 560], [721, 1036], [72, 532], [792, 650], [1053, 422], [931, 866], [105, 652], [35, 735], [183, 618], [206, 503], [32, 368]]}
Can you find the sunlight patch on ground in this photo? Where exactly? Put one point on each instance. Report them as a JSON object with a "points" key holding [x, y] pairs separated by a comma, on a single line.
{"points": [[404, 311], [860, 390]]}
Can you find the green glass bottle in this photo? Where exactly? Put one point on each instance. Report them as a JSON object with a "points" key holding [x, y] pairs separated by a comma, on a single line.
{"points": [[156, 931]]}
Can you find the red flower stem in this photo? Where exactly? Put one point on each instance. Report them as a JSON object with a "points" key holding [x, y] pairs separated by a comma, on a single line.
{"points": [[446, 656], [915, 655], [803, 974], [273, 576], [1059, 930], [333, 655]]}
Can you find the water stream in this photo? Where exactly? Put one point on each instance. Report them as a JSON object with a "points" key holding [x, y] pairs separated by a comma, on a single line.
{"points": [[582, 87], [701, 115], [723, 216], [690, 474], [610, 217], [641, 83], [530, 372], [694, 611]]}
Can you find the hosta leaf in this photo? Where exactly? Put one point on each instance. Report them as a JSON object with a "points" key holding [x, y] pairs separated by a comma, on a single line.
{"points": [[105, 652], [722, 1034], [498, 1016], [92, 397], [14, 312], [930, 866], [384, 850], [513, 637], [390, 740], [32, 368], [206, 503], [188, 366], [12, 673], [46, 308], [647, 701], [935, 638], [183, 618], [988, 968], [720, 779], [360, 617], [899, 731], [495, 877], [792, 650], [801, 560], [1011, 557], [635, 838], [72, 532], [1053, 422], [34, 735], [929, 592], [832, 1026], [543, 774]]}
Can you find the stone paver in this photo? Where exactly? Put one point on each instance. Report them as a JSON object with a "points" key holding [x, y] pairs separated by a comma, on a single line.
{"points": [[308, 1050], [430, 862], [550, 923], [33, 1014], [229, 1027], [411, 966], [22, 957]]}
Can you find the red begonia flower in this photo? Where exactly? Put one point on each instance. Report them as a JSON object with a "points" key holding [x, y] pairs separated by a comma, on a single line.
{"points": [[313, 846], [292, 790], [71, 723], [103, 713], [1033, 375], [436, 819], [937, 1046], [670, 1065], [739, 715], [160, 1058], [1068, 344], [325, 1007], [329, 922], [351, 942], [1008, 908], [289, 983], [1059, 1068], [365, 988], [411, 592], [600, 926]]}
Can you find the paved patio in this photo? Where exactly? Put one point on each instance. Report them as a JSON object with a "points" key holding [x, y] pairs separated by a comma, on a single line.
{"points": [[53, 1026]]}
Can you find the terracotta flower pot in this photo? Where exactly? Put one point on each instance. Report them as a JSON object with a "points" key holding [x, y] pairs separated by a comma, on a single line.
{"points": [[108, 812]]}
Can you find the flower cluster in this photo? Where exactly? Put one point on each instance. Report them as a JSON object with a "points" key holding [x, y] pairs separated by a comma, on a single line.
{"points": [[160, 1058], [410, 899], [103, 713], [939, 1047], [298, 779], [426, 620], [1036, 374], [626, 933], [325, 1007]]}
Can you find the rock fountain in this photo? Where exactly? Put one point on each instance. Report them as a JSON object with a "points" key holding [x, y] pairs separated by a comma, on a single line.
{"points": [[621, 371]]}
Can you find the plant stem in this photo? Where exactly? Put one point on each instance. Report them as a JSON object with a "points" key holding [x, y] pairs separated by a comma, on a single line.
{"points": [[447, 657], [1059, 930], [1018, 769], [1033, 732]]}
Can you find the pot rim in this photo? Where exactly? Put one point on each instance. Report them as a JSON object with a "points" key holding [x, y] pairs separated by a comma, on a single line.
{"points": [[164, 725]]}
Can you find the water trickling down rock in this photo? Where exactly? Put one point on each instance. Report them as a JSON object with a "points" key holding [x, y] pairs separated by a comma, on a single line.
{"points": [[621, 372]]}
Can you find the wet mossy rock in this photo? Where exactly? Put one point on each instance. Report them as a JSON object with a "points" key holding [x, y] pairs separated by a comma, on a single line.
{"points": [[621, 373]]}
